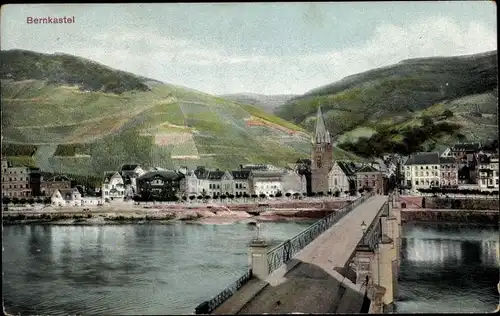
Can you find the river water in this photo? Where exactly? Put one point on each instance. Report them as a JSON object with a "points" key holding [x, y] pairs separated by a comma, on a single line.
{"points": [[170, 269], [452, 268]]}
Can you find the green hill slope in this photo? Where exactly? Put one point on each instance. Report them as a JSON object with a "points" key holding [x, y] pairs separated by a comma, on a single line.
{"points": [[401, 94], [72, 115]]}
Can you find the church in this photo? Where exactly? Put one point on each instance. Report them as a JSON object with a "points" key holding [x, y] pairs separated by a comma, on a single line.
{"points": [[321, 155]]}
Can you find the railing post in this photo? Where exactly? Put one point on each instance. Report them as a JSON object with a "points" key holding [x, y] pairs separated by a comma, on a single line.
{"points": [[258, 258], [203, 308]]}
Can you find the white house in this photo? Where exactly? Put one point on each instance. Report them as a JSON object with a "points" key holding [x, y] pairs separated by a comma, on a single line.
{"points": [[130, 173], [293, 182], [266, 182], [66, 197], [113, 186], [241, 182], [192, 184], [488, 173], [422, 170], [341, 177]]}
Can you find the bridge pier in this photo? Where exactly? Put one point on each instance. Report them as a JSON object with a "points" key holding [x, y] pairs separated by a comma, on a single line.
{"points": [[258, 258]]}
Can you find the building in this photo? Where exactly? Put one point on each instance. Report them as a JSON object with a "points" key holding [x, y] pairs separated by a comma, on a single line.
{"points": [[161, 185], [422, 170], [59, 182], [368, 177], [461, 150], [321, 155], [113, 186], [66, 197], [130, 173], [36, 182], [293, 182], [241, 182], [268, 182], [448, 171], [342, 177], [488, 173], [15, 180]]}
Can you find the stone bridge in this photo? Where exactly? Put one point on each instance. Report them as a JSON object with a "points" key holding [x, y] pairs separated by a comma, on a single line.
{"points": [[347, 262]]}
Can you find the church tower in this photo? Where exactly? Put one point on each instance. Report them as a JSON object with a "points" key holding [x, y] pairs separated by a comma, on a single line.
{"points": [[321, 156]]}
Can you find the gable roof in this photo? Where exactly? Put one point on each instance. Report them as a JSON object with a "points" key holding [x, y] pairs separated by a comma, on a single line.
{"points": [[266, 173], [58, 178], [165, 174], [110, 174], [466, 147], [129, 167], [348, 168], [423, 159], [215, 175], [367, 168], [240, 174], [447, 160]]}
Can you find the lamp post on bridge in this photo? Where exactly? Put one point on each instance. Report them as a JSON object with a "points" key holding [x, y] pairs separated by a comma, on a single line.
{"points": [[363, 229]]}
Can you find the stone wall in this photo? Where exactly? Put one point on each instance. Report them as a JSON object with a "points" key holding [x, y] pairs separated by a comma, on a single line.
{"points": [[461, 204], [429, 202], [464, 216]]}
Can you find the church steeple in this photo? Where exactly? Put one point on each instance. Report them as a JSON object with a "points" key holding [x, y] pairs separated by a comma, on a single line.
{"points": [[321, 136]]}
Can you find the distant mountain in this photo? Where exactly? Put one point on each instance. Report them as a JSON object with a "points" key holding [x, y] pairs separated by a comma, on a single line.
{"points": [[68, 114], [266, 102], [400, 95]]}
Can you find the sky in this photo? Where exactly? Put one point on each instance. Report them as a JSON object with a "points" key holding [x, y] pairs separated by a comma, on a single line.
{"points": [[265, 48]]}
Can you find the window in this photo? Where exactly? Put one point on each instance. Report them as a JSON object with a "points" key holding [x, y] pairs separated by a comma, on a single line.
{"points": [[421, 168], [27, 186], [483, 181], [416, 182], [427, 173], [426, 167], [15, 186]]}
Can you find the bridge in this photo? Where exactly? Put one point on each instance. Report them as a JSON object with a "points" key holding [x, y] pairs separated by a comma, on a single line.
{"points": [[347, 262]]}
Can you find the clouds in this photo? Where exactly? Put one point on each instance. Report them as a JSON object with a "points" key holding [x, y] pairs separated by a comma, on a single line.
{"points": [[292, 66]]}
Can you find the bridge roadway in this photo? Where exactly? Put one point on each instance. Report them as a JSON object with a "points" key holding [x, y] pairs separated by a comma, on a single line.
{"points": [[311, 282]]}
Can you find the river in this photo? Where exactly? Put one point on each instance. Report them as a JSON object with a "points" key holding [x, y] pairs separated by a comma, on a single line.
{"points": [[171, 268], [125, 269], [448, 269]]}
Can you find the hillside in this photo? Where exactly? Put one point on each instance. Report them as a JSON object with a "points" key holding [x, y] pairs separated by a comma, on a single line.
{"points": [[67, 114], [402, 94], [267, 103]]}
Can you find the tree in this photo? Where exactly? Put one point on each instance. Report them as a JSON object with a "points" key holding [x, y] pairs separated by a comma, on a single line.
{"points": [[245, 195], [447, 113], [262, 195], [313, 194], [279, 194], [184, 198], [22, 201], [288, 194], [6, 200], [214, 196], [223, 197], [329, 193], [15, 200], [254, 196], [296, 195], [207, 197], [231, 196], [337, 193], [346, 192], [47, 200], [360, 190], [200, 197], [192, 197], [320, 193], [31, 200]]}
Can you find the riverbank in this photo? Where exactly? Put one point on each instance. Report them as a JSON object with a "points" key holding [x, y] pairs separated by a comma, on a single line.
{"points": [[129, 212], [140, 216], [490, 217]]}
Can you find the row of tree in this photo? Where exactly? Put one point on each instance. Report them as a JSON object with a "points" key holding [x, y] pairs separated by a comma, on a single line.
{"points": [[437, 190], [6, 200], [138, 198]]}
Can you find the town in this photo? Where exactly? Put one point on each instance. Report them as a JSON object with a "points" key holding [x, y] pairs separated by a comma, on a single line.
{"points": [[465, 168]]}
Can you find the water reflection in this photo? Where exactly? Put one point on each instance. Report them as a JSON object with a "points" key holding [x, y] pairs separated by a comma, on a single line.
{"points": [[448, 271], [128, 269]]}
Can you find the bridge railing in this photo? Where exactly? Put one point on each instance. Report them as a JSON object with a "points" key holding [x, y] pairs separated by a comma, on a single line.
{"points": [[282, 253], [373, 233], [209, 306]]}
